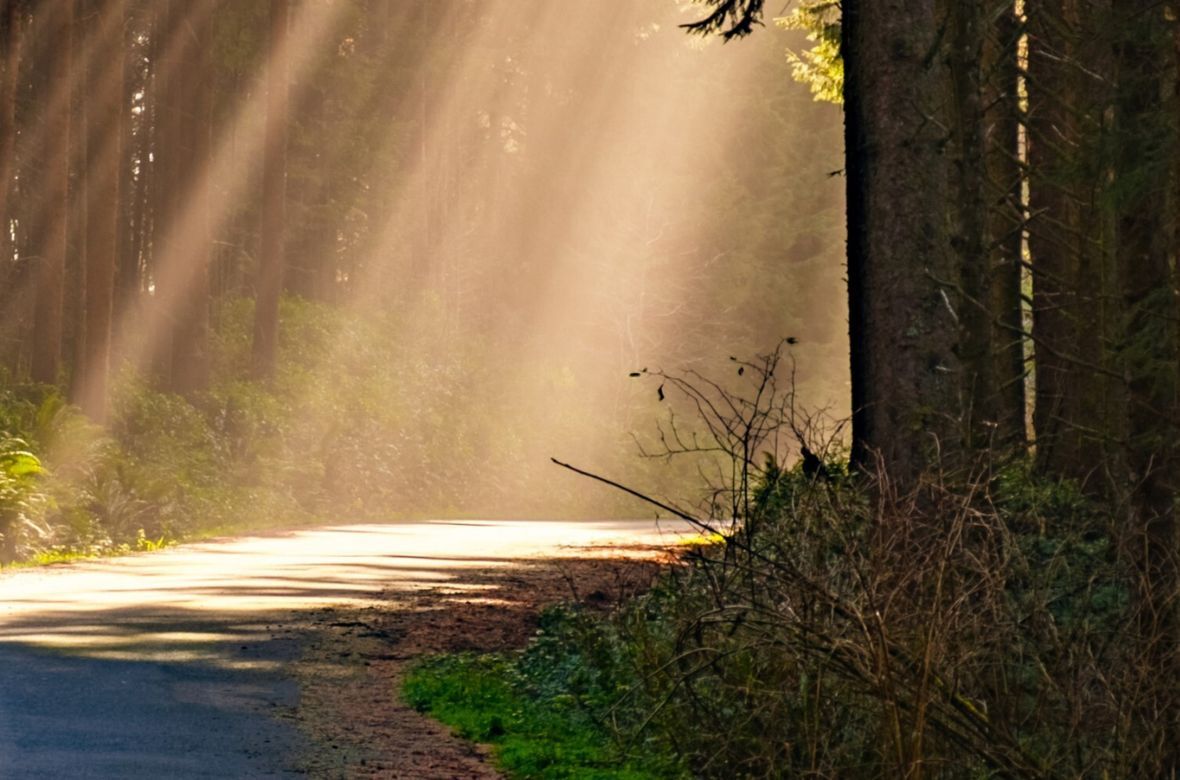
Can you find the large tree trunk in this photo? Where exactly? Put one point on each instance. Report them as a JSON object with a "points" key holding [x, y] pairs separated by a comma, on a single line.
{"points": [[1052, 135], [902, 311], [53, 234], [274, 192], [967, 23], [1068, 240], [104, 121], [1146, 136]]}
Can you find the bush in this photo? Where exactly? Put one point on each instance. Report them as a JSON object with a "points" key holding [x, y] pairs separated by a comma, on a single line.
{"points": [[355, 424], [870, 638], [20, 494], [982, 625]]}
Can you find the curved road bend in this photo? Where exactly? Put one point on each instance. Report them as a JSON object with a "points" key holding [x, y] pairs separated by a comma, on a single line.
{"points": [[175, 664]]}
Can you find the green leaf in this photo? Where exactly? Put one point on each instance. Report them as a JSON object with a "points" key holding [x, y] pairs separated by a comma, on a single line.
{"points": [[21, 464]]}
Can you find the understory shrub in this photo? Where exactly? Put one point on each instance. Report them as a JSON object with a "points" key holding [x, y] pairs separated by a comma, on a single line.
{"points": [[983, 624], [20, 494], [367, 418]]}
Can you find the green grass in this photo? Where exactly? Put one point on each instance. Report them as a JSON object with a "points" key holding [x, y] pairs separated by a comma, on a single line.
{"points": [[485, 699]]}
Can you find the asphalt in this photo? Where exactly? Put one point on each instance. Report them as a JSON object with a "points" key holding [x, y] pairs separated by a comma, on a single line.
{"points": [[178, 664], [67, 716]]}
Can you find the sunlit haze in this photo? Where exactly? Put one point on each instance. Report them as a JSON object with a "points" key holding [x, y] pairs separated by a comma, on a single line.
{"points": [[537, 199]]}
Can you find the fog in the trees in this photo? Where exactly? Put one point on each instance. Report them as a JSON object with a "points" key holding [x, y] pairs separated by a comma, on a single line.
{"points": [[493, 213]]}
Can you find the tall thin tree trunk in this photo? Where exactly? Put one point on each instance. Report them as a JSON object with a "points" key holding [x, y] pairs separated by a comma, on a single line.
{"points": [[135, 260], [190, 342], [170, 40], [11, 28], [53, 238], [131, 176], [274, 192], [74, 319], [105, 109], [970, 211], [1005, 215], [1051, 135], [1068, 240], [311, 238]]}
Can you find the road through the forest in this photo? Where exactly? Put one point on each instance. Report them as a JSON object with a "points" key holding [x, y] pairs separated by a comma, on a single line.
{"points": [[177, 664]]}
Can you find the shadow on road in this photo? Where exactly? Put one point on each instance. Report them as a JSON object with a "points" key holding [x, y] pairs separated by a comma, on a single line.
{"points": [[177, 664]]}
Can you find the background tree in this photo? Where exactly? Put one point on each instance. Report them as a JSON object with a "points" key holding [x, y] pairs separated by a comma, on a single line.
{"points": [[190, 340], [1065, 239], [274, 194], [102, 177], [52, 233], [522, 226], [12, 20]]}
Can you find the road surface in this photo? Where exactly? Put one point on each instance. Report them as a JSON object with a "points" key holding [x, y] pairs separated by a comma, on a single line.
{"points": [[176, 664]]}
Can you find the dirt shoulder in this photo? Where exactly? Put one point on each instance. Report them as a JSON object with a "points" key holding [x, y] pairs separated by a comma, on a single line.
{"points": [[354, 660]]}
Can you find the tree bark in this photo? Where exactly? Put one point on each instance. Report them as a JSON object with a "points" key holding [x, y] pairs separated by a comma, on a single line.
{"points": [[1146, 136], [1068, 240], [160, 306], [903, 314], [1005, 217], [970, 211]]}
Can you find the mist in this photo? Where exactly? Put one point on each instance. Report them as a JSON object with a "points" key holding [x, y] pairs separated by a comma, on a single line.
{"points": [[494, 213], [594, 193]]}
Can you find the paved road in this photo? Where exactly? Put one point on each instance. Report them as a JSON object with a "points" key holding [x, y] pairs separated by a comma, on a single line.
{"points": [[175, 664]]}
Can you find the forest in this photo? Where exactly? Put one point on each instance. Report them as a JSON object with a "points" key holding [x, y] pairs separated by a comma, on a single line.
{"points": [[263, 269], [880, 298]]}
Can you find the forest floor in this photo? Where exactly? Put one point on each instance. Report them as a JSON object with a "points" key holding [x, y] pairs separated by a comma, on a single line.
{"points": [[352, 668], [281, 655]]}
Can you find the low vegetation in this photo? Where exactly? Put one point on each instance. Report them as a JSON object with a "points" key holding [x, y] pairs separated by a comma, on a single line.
{"points": [[244, 454], [984, 624], [355, 425], [535, 714]]}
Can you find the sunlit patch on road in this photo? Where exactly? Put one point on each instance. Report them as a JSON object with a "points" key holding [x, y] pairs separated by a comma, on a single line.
{"points": [[191, 602]]}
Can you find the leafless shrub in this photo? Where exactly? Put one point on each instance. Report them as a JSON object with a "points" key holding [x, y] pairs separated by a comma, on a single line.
{"points": [[961, 629]]}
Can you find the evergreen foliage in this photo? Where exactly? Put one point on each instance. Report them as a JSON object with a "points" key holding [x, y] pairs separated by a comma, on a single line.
{"points": [[819, 67]]}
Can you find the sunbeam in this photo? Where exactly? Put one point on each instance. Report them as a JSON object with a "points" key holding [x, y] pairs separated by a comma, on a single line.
{"points": [[494, 212]]}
